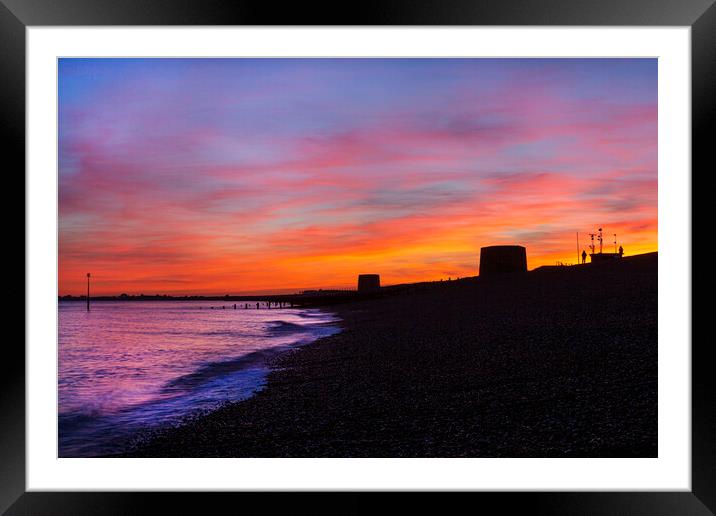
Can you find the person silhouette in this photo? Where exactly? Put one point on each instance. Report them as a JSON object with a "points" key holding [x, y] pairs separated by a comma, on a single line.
{"points": [[621, 251], [584, 256]]}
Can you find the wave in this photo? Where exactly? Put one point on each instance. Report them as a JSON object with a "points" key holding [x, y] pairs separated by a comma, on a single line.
{"points": [[283, 327], [107, 429], [228, 333], [77, 419], [213, 370], [311, 315]]}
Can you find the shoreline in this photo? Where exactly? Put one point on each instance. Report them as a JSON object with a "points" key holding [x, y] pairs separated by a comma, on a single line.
{"points": [[226, 377], [553, 363]]}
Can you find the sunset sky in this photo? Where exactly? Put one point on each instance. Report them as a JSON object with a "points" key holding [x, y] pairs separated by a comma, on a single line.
{"points": [[230, 176]]}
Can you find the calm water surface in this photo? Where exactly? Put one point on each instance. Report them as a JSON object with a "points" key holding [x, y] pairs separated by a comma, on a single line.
{"points": [[126, 367]]}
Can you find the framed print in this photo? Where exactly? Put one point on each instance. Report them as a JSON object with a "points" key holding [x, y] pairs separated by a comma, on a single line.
{"points": [[420, 249]]}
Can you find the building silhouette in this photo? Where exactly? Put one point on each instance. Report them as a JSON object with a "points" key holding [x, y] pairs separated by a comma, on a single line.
{"points": [[500, 259], [368, 282]]}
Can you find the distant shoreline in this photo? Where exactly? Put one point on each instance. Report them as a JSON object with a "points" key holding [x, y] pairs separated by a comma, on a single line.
{"points": [[326, 297], [171, 298]]}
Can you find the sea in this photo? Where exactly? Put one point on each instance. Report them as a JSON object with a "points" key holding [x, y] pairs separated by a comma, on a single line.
{"points": [[129, 368]]}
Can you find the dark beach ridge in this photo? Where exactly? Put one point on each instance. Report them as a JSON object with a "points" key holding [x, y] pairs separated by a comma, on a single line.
{"points": [[557, 362]]}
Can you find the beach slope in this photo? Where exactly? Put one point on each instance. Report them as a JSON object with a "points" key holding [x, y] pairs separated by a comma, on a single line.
{"points": [[556, 362]]}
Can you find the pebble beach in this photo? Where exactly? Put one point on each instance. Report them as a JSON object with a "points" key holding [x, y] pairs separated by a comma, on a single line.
{"points": [[556, 362]]}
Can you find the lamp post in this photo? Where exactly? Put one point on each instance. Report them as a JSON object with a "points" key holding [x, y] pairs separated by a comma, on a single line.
{"points": [[88, 277]]}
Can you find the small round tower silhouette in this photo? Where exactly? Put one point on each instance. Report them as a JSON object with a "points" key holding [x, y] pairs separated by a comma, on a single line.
{"points": [[368, 282], [500, 259]]}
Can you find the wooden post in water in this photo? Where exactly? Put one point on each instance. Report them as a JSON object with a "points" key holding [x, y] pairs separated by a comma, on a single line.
{"points": [[88, 277]]}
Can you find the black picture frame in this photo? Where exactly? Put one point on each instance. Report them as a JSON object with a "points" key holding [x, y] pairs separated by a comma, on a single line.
{"points": [[17, 15]]}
